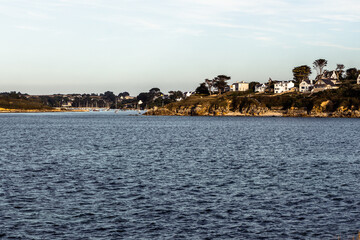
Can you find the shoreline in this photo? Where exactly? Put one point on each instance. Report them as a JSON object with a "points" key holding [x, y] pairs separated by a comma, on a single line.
{"points": [[159, 112], [267, 113], [258, 116], [9, 110], [54, 110]]}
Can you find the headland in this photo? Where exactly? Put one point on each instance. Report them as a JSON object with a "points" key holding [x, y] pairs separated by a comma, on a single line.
{"points": [[342, 102]]}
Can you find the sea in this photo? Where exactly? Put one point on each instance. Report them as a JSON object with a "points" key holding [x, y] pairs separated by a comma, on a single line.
{"points": [[102, 175]]}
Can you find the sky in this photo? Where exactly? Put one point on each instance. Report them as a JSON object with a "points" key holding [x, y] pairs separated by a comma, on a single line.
{"points": [[92, 46]]}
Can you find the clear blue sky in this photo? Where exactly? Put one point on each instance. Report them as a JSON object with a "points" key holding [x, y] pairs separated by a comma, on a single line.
{"points": [[84, 46]]}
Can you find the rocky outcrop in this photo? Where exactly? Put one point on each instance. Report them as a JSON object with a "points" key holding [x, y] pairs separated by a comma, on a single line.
{"points": [[159, 111]]}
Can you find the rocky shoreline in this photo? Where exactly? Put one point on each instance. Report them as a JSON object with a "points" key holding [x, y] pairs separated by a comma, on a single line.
{"points": [[254, 111]]}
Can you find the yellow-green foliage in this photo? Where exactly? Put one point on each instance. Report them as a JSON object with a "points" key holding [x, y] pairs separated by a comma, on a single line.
{"points": [[193, 101], [220, 102], [20, 103]]}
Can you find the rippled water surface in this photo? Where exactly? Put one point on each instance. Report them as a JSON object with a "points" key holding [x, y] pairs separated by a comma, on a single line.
{"points": [[112, 176]]}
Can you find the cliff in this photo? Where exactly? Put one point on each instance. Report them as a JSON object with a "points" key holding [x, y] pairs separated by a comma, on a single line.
{"points": [[331, 103]]}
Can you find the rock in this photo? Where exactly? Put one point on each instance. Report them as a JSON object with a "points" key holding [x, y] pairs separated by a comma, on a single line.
{"points": [[159, 111]]}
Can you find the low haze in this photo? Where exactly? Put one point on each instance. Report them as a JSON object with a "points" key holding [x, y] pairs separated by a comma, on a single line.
{"points": [[91, 46]]}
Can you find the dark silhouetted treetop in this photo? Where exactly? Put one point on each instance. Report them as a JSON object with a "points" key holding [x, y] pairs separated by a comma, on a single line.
{"points": [[351, 74], [301, 73], [124, 94], [252, 86], [109, 96], [202, 89], [220, 82], [174, 95], [154, 90]]}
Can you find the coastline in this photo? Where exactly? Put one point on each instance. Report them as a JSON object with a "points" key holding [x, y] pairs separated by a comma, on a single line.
{"points": [[276, 115], [255, 112], [55, 110], [341, 103]]}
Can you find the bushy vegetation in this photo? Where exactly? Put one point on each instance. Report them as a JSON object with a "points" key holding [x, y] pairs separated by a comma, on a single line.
{"points": [[15, 100], [347, 97], [240, 103], [200, 99], [103, 100], [155, 98]]}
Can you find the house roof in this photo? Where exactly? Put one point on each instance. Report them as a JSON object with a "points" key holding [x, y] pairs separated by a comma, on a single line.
{"points": [[277, 81], [327, 81], [283, 83], [307, 81], [320, 86]]}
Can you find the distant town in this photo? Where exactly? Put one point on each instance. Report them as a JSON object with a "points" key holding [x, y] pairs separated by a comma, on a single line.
{"points": [[301, 83]]}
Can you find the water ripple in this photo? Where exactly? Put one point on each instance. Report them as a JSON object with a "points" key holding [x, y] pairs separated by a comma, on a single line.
{"points": [[102, 176]]}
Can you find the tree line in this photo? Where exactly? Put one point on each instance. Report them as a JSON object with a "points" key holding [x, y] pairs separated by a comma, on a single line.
{"points": [[303, 72], [154, 97]]}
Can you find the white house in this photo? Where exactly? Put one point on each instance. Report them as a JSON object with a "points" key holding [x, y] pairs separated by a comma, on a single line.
{"points": [[239, 86], [329, 74], [358, 79], [67, 104], [260, 87], [188, 94], [306, 86], [283, 86]]}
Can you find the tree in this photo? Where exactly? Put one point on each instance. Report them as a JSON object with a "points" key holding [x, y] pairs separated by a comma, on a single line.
{"points": [[271, 85], [301, 73], [174, 95], [220, 82], [109, 96], [154, 90], [339, 70], [144, 97], [351, 74], [202, 89], [252, 86], [15, 95], [123, 94], [151, 98], [319, 65]]}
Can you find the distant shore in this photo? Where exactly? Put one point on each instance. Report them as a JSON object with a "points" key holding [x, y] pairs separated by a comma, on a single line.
{"points": [[8, 110], [59, 110]]}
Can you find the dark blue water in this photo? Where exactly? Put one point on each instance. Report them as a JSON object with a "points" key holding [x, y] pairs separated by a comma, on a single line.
{"points": [[111, 176]]}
